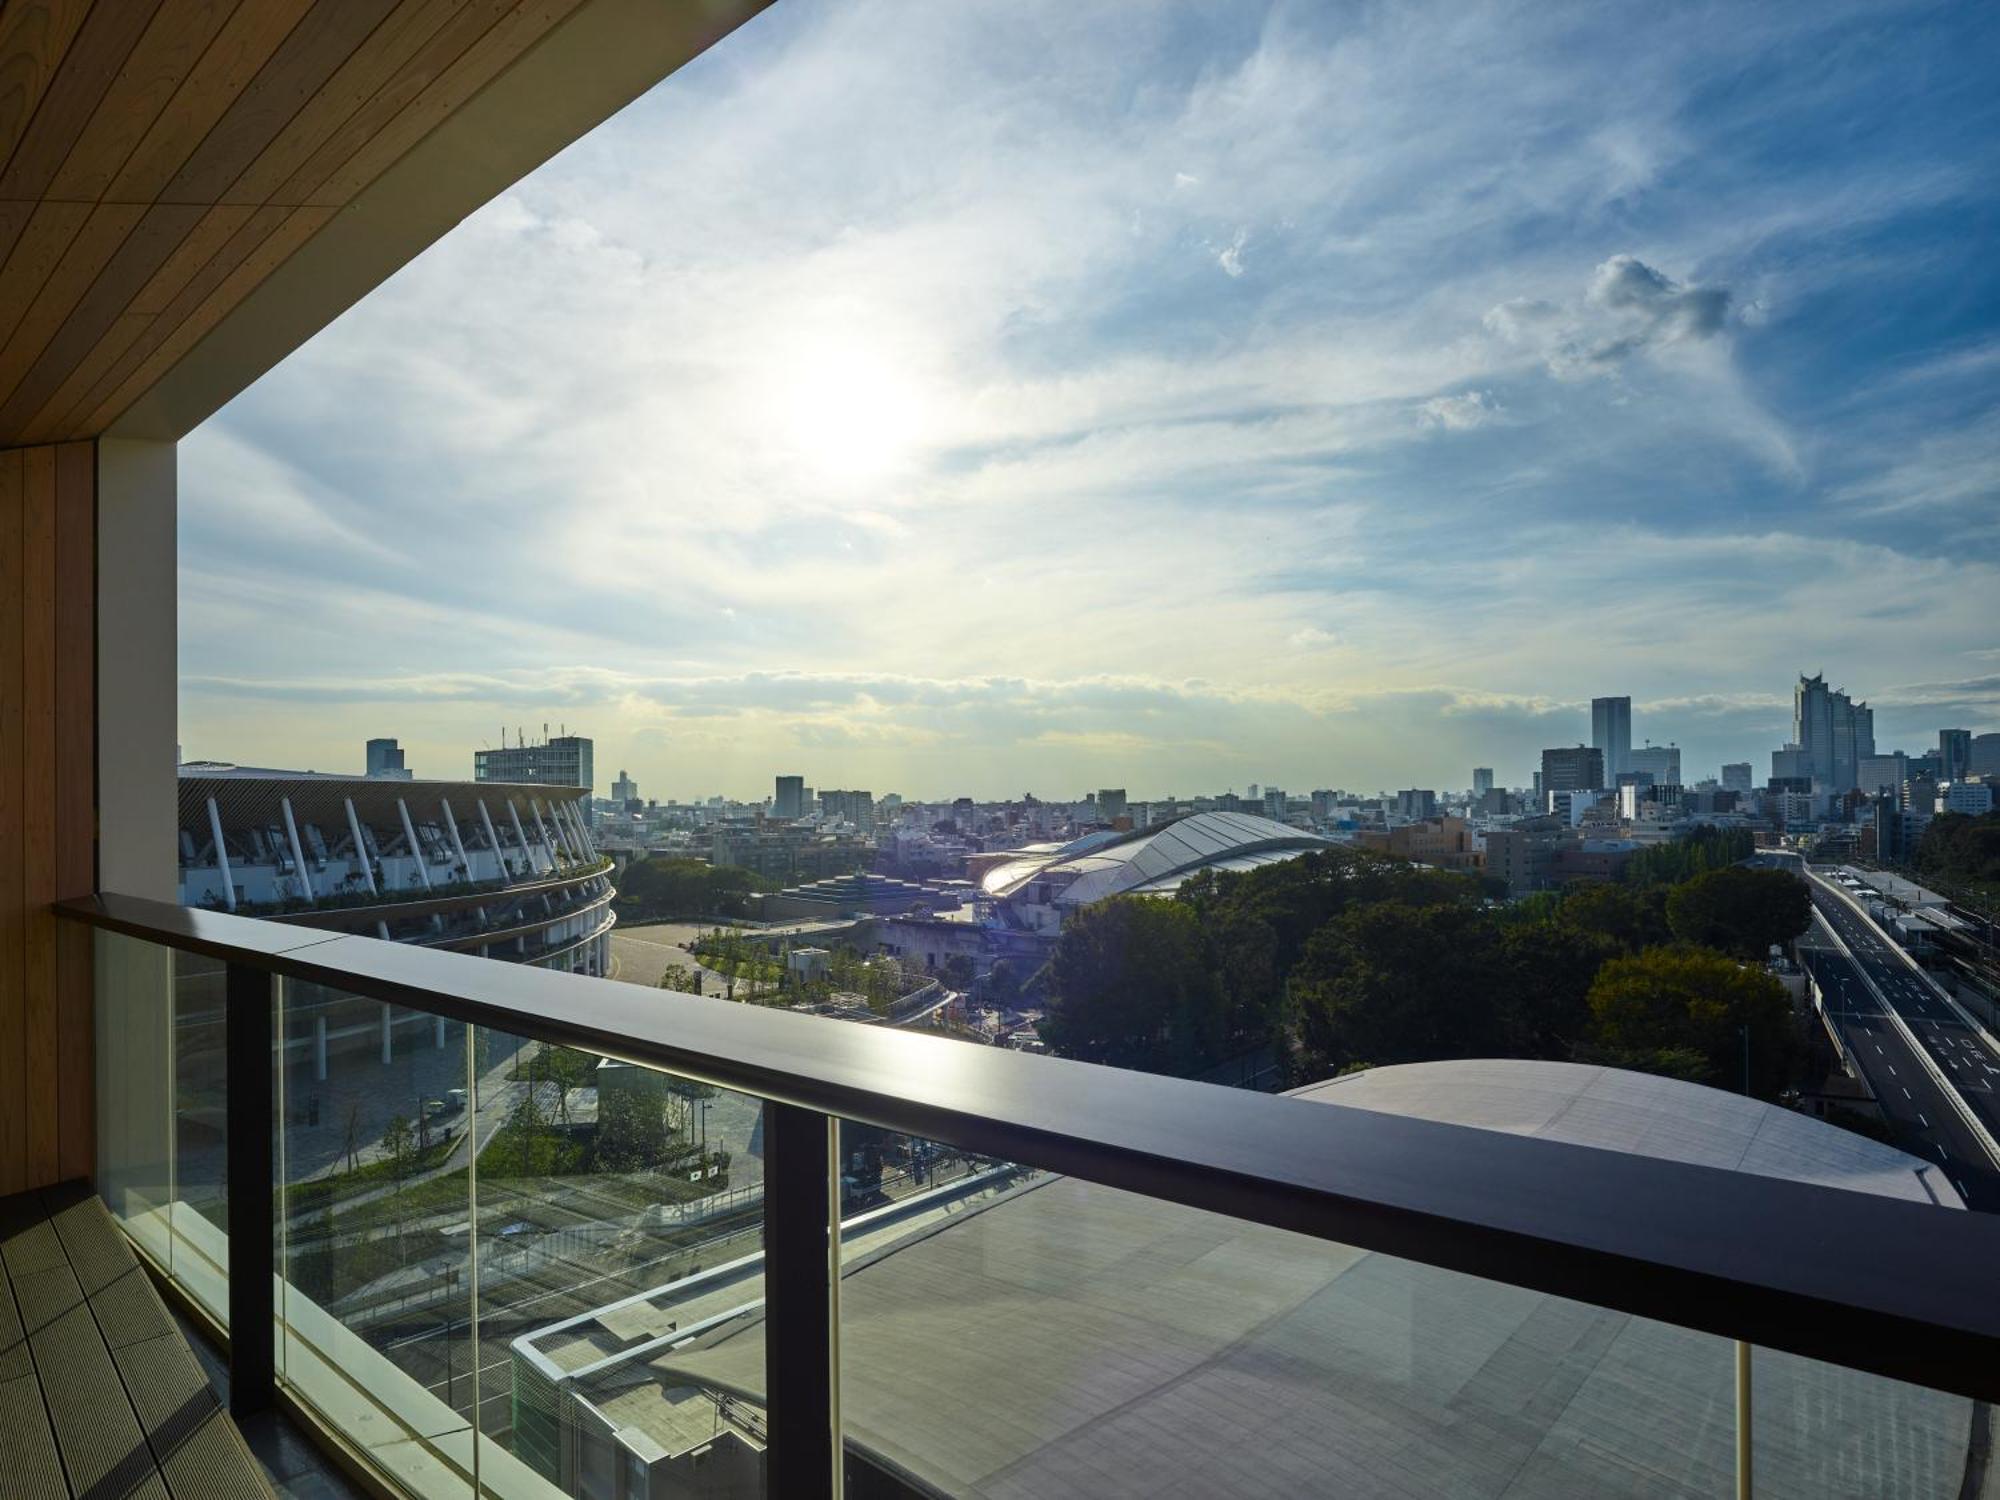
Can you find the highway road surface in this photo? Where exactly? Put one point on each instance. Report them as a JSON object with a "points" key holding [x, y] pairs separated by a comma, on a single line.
{"points": [[1926, 1121]]}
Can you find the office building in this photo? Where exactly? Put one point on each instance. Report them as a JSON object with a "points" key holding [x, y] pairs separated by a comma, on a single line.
{"points": [[1884, 773], [1736, 776], [1416, 803], [624, 790], [1983, 757], [1954, 754], [857, 808], [385, 759], [1792, 763], [562, 761], [1661, 762], [1111, 804], [1575, 769], [788, 800], [1972, 798], [1482, 780], [1834, 733], [1611, 734]]}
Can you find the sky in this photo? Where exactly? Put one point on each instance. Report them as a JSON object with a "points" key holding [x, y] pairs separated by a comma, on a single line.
{"points": [[1005, 396]]}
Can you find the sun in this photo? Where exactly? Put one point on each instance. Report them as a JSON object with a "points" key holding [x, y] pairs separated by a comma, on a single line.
{"points": [[851, 414]]}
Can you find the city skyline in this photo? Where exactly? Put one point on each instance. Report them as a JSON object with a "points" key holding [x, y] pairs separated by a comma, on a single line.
{"points": [[1118, 411]]}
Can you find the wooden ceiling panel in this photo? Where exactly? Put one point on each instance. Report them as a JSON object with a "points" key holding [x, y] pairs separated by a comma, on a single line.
{"points": [[159, 159], [34, 38]]}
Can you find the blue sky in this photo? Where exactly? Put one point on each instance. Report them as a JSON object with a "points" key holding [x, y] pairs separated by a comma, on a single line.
{"points": [[987, 397]]}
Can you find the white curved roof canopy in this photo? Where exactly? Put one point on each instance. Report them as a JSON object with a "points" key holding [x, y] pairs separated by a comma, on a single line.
{"points": [[1640, 1113], [1152, 861]]}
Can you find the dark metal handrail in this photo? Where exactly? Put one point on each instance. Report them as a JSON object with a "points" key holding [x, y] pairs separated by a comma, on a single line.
{"points": [[1895, 1288]]}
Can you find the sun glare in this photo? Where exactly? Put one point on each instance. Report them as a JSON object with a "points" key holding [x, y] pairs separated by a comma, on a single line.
{"points": [[851, 415]]}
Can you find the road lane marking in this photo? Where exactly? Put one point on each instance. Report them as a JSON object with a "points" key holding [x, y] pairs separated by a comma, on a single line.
{"points": [[1925, 1118], [1906, 1091]]}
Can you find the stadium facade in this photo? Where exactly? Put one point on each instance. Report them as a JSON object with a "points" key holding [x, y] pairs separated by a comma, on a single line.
{"points": [[504, 871]]}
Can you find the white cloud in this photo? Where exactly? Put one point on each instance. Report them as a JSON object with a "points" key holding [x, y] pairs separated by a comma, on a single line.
{"points": [[888, 340], [1461, 412]]}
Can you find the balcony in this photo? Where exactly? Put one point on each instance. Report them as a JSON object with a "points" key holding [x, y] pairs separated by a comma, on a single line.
{"points": [[1045, 1269], [495, 1229]]}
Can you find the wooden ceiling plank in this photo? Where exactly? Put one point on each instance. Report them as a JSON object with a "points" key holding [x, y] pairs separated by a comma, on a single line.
{"points": [[414, 74], [14, 218], [484, 61], [135, 261], [106, 40], [34, 258], [244, 44], [34, 36], [218, 225], [104, 230], [179, 34], [300, 225], [107, 364], [47, 425], [360, 80], [329, 34]]}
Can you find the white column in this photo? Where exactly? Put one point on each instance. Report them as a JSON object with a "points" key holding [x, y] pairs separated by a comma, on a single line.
{"points": [[388, 1052], [137, 672], [298, 850], [410, 838], [493, 842], [361, 848], [440, 1031], [520, 833], [457, 843], [583, 832], [221, 855], [562, 834], [319, 1047], [548, 845]]}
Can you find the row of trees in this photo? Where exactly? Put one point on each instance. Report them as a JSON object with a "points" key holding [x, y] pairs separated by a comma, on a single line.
{"points": [[663, 887], [1961, 849], [1342, 959]]}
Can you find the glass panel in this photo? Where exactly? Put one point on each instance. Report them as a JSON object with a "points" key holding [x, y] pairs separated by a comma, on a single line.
{"points": [[134, 982], [620, 1214], [375, 1231], [200, 1214], [1818, 1430], [1016, 1334]]}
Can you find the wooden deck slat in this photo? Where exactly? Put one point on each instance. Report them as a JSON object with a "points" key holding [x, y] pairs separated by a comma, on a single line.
{"points": [[28, 1456], [99, 1393], [34, 39], [13, 917]]}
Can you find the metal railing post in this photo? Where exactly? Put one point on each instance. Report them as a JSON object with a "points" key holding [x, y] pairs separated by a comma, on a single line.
{"points": [[799, 1333], [1745, 1454], [251, 1210]]}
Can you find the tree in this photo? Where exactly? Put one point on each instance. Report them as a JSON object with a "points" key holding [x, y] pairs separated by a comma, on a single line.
{"points": [[1630, 918], [1705, 848], [957, 972], [1681, 999], [567, 1069], [1740, 911], [399, 1145], [1132, 986], [1543, 986], [631, 1128], [1003, 984], [1297, 897], [1394, 983]]}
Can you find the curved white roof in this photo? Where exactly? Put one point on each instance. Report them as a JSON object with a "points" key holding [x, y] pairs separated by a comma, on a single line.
{"points": [[1645, 1115], [1071, 1339], [1152, 861]]}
